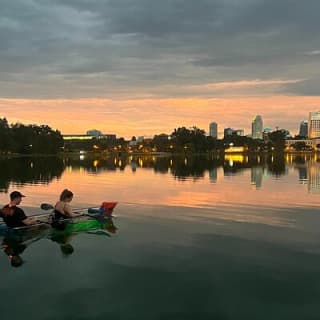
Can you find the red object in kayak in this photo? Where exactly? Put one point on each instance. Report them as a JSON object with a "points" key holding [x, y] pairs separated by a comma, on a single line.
{"points": [[108, 206]]}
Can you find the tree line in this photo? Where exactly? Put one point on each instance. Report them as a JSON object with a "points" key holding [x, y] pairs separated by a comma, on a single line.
{"points": [[29, 139], [195, 140], [41, 139], [181, 140]]}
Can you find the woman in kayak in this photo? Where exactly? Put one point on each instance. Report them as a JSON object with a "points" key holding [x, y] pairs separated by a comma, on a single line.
{"points": [[62, 209]]}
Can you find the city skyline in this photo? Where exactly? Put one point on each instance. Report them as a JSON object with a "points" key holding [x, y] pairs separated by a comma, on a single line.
{"points": [[81, 65], [122, 132]]}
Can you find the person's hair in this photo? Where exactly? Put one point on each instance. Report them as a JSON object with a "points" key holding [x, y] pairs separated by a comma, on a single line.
{"points": [[65, 194]]}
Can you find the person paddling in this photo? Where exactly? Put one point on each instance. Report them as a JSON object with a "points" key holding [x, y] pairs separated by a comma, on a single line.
{"points": [[62, 209], [14, 216]]}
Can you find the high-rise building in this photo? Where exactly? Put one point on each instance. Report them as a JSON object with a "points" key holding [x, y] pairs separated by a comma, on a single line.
{"points": [[257, 127], [227, 132], [213, 130], [231, 131], [303, 131], [314, 124]]}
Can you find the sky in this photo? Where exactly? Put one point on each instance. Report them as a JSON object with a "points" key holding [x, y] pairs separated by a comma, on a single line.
{"points": [[145, 67]]}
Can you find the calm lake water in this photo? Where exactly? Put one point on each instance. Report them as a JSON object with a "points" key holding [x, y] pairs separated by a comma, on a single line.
{"points": [[192, 238]]}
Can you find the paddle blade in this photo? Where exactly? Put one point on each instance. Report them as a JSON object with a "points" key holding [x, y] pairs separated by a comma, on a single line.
{"points": [[46, 206]]}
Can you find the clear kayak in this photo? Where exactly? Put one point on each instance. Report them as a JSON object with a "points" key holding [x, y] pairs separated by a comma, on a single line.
{"points": [[79, 219], [15, 241]]}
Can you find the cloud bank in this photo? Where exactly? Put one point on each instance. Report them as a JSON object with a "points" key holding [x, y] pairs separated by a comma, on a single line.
{"points": [[103, 48], [158, 51]]}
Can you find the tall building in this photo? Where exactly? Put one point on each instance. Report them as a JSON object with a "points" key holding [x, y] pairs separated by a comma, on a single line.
{"points": [[231, 131], [227, 132], [303, 131], [314, 124], [213, 130], [257, 127]]}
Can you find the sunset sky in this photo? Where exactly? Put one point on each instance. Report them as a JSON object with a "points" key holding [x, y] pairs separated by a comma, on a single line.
{"points": [[142, 67]]}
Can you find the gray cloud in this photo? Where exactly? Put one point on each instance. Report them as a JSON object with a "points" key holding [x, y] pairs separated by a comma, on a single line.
{"points": [[75, 48], [309, 87]]}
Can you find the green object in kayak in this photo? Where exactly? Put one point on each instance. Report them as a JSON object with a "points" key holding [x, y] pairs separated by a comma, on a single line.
{"points": [[84, 225]]}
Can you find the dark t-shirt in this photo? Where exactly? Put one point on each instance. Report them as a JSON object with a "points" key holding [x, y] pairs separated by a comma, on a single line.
{"points": [[15, 218]]}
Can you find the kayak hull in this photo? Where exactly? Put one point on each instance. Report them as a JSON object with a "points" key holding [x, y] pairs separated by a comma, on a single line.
{"points": [[44, 220]]}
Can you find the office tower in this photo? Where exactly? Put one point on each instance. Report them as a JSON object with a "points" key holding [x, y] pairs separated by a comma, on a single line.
{"points": [[314, 124], [257, 127], [227, 132], [213, 130], [303, 131]]}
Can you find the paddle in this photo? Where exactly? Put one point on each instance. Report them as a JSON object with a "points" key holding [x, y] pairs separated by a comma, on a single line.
{"points": [[47, 206], [90, 211], [37, 222]]}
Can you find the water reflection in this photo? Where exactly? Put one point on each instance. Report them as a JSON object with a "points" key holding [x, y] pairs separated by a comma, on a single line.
{"points": [[14, 243], [256, 176], [313, 177], [93, 166], [195, 167], [99, 226], [13, 249], [303, 174], [213, 174], [43, 170], [260, 167], [29, 170]]}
